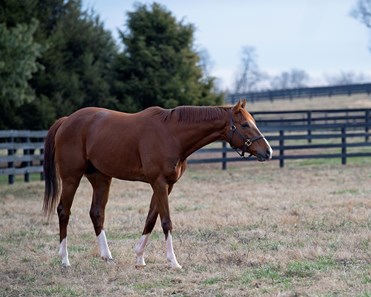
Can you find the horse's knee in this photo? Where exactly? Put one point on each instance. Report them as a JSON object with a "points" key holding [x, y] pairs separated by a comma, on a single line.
{"points": [[166, 226]]}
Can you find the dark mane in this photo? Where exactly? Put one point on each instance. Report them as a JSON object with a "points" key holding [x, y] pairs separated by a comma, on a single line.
{"points": [[192, 114]]}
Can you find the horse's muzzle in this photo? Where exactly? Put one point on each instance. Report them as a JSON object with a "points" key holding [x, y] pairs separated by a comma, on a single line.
{"points": [[265, 156]]}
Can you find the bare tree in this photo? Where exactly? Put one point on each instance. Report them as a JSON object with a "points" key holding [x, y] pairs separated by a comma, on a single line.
{"points": [[295, 78], [249, 75], [362, 12], [347, 78]]}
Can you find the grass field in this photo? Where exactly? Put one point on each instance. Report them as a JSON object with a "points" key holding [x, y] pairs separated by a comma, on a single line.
{"points": [[253, 230], [335, 102]]}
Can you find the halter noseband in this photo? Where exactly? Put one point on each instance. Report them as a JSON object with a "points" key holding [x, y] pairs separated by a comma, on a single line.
{"points": [[247, 141]]}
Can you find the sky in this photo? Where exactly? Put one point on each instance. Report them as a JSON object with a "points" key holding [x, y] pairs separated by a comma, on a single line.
{"points": [[317, 36]]}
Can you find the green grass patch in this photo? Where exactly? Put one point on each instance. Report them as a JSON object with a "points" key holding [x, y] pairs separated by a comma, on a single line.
{"points": [[120, 234], [212, 280], [185, 208], [59, 291], [316, 162], [347, 191], [278, 275], [271, 274], [76, 248], [163, 283], [3, 251], [309, 268]]}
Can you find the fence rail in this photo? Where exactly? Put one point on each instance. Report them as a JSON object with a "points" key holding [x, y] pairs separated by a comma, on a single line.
{"points": [[298, 93], [315, 116], [314, 134], [21, 153]]}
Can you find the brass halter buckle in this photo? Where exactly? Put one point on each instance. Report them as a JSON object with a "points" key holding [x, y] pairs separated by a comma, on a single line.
{"points": [[248, 142]]}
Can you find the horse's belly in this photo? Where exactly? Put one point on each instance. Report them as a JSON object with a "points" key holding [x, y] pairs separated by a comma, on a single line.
{"points": [[120, 167]]}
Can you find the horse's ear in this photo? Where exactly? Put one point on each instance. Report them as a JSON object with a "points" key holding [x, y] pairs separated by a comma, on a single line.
{"points": [[243, 104], [237, 107]]}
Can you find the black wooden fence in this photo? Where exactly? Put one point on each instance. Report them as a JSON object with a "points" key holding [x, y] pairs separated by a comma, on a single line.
{"points": [[21, 153], [314, 134], [304, 134], [312, 117], [323, 141]]}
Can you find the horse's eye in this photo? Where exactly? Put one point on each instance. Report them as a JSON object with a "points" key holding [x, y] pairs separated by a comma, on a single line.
{"points": [[245, 125]]}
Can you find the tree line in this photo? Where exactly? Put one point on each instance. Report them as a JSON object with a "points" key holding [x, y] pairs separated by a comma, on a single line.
{"points": [[56, 57]]}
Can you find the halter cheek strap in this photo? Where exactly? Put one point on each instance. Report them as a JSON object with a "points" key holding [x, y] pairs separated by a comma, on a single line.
{"points": [[246, 141]]}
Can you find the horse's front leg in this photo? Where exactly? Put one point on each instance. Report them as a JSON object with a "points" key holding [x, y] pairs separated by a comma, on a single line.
{"points": [[159, 205]]}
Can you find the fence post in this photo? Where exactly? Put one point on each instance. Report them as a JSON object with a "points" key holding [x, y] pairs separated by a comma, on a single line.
{"points": [[11, 152], [26, 164], [309, 120], [224, 155], [343, 146], [367, 123], [282, 150]]}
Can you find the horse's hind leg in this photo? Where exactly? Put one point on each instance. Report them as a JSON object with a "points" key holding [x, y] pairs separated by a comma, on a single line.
{"points": [[101, 184], [69, 186], [150, 224]]}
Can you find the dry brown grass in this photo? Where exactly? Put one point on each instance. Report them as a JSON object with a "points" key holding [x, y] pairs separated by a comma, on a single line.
{"points": [[335, 102], [249, 231]]}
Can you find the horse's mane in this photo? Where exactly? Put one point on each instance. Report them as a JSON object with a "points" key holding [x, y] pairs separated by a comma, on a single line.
{"points": [[192, 114]]}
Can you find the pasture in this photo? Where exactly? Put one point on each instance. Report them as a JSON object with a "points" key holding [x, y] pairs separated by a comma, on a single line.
{"points": [[253, 230], [334, 102]]}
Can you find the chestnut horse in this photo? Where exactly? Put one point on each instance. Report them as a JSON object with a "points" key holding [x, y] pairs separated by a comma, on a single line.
{"points": [[151, 146]]}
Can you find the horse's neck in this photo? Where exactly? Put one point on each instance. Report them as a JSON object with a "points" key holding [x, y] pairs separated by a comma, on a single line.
{"points": [[195, 136]]}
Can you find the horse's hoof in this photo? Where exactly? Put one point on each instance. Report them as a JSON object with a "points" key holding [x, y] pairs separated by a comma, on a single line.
{"points": [[109, 261], [140, 266], [175, 266], [65, 265]]}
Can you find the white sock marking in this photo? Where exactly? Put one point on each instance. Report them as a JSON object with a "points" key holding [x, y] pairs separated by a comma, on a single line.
{"points": [[63, 253], [170, 256], [139, 250], [105, 253]]}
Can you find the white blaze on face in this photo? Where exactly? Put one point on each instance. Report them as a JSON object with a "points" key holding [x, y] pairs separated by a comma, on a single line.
{"points": [[269, 149], [105, 253], [252, 124], [63, 253]]}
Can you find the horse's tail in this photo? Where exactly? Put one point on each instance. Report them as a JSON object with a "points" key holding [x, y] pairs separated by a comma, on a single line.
{"points": [[52, 180]]}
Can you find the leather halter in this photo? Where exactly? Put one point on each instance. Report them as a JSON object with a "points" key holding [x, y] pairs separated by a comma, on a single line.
{"points": [[247, 141]]}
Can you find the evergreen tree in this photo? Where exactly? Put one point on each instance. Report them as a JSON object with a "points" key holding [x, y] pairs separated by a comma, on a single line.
{"points": [[18, 54], [76, 63], [159, 65]]}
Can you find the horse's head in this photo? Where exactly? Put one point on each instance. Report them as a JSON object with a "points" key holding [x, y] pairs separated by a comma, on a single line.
{"points": [[244, 135]]}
